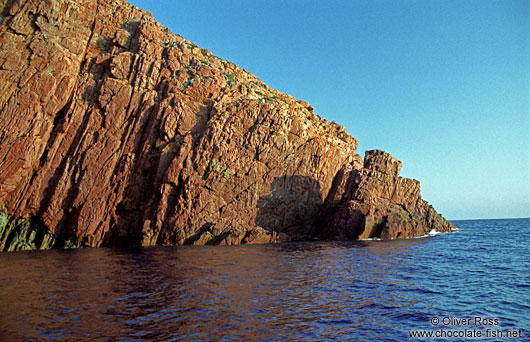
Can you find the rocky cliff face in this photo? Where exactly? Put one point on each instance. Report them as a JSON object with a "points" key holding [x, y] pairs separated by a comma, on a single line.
{"points": [[114, 131]]}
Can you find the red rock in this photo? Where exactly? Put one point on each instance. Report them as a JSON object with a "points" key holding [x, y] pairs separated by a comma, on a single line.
{"points": [[374, 202], [115, 131]]}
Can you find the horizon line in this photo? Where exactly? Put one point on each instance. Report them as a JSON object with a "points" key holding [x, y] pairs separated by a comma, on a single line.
{"points": [[498, 218]]}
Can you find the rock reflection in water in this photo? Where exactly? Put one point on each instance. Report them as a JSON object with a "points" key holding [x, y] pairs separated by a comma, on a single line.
{"points": [[301, 290], [358, 291]]}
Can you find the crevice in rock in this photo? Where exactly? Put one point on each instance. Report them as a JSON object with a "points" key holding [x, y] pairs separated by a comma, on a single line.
{"points": [[7, 8], [59, 171], [57, 126], [4, 13], [92, 29], [205, 229], [10, 30], [378, 228]]}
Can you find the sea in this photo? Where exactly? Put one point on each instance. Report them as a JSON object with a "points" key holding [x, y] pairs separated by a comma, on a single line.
{"points": [[475, 280]]}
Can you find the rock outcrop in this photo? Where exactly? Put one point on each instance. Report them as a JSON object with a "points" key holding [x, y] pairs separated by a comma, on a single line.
{"points": [[375, 202], [115, 131]]}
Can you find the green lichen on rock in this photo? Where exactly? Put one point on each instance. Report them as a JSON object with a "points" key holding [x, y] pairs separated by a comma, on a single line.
{"points": [[219, 167], [68, 244], [20, 234]]}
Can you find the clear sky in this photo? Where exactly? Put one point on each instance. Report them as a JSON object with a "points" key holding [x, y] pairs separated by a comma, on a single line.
{"points": [[441, 85]]}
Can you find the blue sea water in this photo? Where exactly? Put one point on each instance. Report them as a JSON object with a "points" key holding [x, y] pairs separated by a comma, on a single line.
{"points": [[303, 291]]}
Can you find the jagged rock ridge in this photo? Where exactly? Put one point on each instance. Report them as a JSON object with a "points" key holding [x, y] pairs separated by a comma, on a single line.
{"points": [[115, 131]]}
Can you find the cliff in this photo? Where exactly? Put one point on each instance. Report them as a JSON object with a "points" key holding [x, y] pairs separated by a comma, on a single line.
{"points": [[115, 131]]}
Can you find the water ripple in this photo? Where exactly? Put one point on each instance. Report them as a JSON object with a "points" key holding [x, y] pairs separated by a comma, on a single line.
{"points": [[307, 291]]}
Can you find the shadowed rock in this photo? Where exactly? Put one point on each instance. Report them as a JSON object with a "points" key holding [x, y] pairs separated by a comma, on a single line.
{"points": [[293, 207]]}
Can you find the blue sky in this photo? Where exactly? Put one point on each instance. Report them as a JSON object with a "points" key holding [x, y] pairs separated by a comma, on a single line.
{"points": [[441, 85]]}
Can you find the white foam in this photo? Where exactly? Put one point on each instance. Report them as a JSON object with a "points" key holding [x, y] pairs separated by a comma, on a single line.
{"points": [[434, 232], [371, 239]]}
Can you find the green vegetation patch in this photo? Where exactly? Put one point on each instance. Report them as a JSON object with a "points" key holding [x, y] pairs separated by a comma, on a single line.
{"points": [[219, 167], [18, 234]]}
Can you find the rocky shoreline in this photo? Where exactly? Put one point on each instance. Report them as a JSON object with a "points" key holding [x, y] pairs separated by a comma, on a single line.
{"points": [[116, 132]]}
